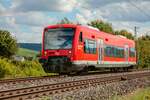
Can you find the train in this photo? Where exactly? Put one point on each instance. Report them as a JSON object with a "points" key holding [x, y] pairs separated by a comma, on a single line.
{"points": [[68, 48]]}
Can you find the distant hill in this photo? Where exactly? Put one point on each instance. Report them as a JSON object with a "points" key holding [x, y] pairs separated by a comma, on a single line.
{"points": [[31, 46]]}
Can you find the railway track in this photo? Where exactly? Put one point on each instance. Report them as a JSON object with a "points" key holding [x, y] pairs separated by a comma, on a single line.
{"points": [[19, 80], [49, 89], [42, 78]]}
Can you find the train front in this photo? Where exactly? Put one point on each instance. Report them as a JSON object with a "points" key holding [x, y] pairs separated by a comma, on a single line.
{"points": [[57, 48]]}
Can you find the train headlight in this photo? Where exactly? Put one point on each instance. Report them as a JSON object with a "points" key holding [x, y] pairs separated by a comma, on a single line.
{"points": [[69, 52], [45, 53]]}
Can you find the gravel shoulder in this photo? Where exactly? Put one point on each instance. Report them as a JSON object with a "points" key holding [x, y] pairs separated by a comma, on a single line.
{"points": [[102, 92]]}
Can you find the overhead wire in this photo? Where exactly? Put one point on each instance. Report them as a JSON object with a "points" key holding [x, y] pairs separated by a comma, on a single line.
{"points": [[141, 10]]}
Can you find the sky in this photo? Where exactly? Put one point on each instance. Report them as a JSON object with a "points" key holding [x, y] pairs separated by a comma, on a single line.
{"points": [[25, 19]]}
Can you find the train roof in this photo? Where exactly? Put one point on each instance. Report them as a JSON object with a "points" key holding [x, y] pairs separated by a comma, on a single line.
{"points": [[62, 25], [92, 29]]}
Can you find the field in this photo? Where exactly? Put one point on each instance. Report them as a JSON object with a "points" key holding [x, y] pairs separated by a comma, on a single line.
{"points": [[26, 52]]}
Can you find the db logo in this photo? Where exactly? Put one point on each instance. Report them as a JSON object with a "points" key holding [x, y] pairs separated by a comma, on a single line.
{"points": [[79, 46]]}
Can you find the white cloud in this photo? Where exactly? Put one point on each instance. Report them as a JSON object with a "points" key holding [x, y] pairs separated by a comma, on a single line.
{"points": [[43, 5], [33, 33], [26, 18], [81, 19], [119, 9], [29, 37], [2, 9], [34, 19]]}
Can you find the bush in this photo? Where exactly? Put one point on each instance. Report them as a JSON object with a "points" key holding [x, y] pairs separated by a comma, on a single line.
{"points": [[2, 72], [13, 69], [32, 68], [144, 53]]}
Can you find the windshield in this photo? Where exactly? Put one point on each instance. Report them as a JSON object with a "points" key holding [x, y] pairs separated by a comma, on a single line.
{"points": [[60, 38]]}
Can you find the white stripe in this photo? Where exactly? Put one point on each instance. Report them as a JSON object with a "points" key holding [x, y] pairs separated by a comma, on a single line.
{"points": [[84, 62], [103, 62]]}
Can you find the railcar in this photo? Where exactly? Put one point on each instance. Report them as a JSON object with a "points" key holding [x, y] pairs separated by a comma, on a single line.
{"points": [[70, 48]]}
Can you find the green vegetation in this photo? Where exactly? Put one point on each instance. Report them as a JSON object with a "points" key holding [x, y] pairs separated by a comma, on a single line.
{"points": [[144, 51], [125, 33], [140, 94], [107, 27], [13, 69], [8, 45], [26, 52], [103, 26]]}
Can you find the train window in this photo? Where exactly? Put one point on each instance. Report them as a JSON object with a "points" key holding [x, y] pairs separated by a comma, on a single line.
{"points": [[80, 37], [122, 53], [90, 46], [132, 52], [107, 51], [59, 38], [112, 51], [115, 52], [86, 46]]}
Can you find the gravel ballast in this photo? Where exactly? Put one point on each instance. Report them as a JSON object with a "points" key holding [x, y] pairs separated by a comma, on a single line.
{"points": [[4, 87], [102, 92], [26, 84]]}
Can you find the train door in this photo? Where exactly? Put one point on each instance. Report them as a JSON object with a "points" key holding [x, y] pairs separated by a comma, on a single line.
{"points": [[126, 53], [100, 51]]}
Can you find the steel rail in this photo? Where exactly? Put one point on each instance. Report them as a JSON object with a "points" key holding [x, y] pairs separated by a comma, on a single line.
{"points": [[31, 79]]}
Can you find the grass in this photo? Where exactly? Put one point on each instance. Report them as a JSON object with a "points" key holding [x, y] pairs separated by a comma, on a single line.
{"points": [[140, 94], [15, 69], [26, 52]]}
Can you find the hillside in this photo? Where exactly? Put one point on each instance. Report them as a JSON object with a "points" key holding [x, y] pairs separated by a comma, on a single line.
{"points": [[26, 52]]}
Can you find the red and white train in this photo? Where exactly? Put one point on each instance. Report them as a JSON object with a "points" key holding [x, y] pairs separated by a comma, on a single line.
{"points": [[71, 48]]}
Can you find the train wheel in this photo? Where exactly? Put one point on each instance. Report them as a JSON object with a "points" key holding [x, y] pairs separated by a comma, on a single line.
{"points": [[126, 69], [84, 71]]}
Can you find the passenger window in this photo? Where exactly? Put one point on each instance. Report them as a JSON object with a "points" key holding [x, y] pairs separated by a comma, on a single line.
{"points": [[112, 51], [132, 52], [90, 46], [80, 37]]}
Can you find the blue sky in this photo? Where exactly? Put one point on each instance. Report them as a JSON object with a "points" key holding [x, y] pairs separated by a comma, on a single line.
{"points": [[25, 19]]}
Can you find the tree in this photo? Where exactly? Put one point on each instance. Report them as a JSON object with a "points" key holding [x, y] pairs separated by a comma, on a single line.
{"points": [[143, 48], [8, 45], [124, 33], [65, 20], [102, 26], [147, 37]]}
